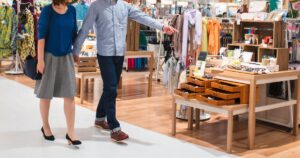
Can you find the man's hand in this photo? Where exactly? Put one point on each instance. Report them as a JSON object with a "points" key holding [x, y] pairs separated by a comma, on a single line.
{"points": [[169, 30], [76, 59]]}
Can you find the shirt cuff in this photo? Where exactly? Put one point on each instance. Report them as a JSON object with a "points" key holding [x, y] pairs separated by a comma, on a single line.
{"points": [[158, 26]]}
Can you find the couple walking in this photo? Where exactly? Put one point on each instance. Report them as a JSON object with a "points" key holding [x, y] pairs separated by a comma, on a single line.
{"points": [[59, 46]]}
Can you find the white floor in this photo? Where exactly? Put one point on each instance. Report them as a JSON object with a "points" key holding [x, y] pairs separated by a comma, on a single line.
{"points": [[20, 135]]}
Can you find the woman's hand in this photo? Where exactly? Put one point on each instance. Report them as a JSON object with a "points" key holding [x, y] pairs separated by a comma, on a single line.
{"points": [[41, 67], [76, 59]]}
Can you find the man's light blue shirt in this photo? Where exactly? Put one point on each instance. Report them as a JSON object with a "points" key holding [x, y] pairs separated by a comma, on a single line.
{"points": [[110, 19]]}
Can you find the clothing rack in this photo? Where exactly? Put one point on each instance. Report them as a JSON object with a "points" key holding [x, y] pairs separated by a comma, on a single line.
{"points": [[18, 69], [3, 4]]}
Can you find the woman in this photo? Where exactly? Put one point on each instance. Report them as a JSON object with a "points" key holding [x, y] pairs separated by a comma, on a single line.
{"points": [[57, 30]]}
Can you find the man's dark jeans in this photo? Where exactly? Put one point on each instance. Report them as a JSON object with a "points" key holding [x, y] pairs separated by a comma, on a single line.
{"points": [[111, 69]]}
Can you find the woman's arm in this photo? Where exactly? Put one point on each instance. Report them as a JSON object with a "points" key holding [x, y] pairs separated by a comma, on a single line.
{"points": [[42, 33], [41, 62]]}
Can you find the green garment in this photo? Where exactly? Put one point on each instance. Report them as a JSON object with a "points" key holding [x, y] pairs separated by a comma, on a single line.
{"points": [[26, 47], [273, 5], [8, 31]]}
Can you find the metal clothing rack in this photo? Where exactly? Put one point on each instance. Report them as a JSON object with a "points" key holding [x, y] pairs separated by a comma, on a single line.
{"points": [[17, 69]]}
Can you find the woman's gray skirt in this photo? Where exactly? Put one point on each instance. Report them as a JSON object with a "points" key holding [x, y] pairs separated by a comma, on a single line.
{"points": [[58, 79]]}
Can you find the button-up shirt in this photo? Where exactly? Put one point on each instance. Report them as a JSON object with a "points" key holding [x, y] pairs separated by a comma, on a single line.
{"points": [[110, 19]]}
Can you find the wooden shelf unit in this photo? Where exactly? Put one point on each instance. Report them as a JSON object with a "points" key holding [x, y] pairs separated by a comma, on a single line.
{"points": [[276, 29], [282, 55]]}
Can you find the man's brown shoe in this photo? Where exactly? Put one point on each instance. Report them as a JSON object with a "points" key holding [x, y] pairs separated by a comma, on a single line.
{"points": [[118, 136], [102, 124]]}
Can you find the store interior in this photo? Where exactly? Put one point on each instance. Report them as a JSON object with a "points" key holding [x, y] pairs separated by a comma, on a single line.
{"points": [[225, 85]]}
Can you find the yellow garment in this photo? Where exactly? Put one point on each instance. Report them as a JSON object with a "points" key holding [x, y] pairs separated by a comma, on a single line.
{"points": [[8, 30], [204, 35], [26, 47], [213, 29]]}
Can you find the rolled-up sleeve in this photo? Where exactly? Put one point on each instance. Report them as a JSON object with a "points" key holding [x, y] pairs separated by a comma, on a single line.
{"points": [[137, 15], [43, 24], [87, 25]]}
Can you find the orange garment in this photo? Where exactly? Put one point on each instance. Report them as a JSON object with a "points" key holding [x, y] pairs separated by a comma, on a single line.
{"points": [[213, 31]]}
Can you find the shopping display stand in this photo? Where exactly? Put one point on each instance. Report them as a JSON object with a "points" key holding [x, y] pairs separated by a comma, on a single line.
{"points": [[144, 54], [83, 76], [230, 111], [253, 81]]}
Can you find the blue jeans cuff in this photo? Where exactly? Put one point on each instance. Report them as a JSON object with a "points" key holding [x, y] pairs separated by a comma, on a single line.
{"points": [[116, 129], [101, 119]]}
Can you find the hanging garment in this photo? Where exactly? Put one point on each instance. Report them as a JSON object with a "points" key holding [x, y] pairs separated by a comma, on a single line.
{"points": [[213, 29], [204, 35], [81, 10], [172, 70], [26, 46], [23, 2], [8, 27], [194, 18], [177, 23]]}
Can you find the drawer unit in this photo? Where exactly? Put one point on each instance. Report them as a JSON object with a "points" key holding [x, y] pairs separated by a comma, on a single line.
{"points": [[214, 101], [227, 86], [230, 90], [222, 94], [185, 93], [200, 81], [192, 87]]}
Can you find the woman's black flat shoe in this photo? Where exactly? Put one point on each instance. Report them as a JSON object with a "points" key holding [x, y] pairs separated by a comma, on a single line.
{"points": [[73, 142], [49, 138]]}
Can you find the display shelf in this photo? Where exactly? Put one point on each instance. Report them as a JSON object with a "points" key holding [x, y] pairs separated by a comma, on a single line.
{"points": [[278, 33], [282, 55]]}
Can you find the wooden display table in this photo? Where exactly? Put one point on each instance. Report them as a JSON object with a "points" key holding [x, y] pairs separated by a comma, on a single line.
{"points": [[254, 81], [144, 54], [129, 54], [89, 75], [229, 111], [83, 76]]}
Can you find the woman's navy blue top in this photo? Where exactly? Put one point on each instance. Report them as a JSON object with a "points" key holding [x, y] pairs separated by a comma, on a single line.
{"points": [[58, 30]]}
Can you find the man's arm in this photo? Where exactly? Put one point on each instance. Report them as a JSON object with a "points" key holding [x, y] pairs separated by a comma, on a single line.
{"points": [[137, 15], [87, 25]]}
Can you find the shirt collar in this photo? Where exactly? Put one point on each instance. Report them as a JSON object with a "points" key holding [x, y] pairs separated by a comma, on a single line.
{"points": [[112, 1]]}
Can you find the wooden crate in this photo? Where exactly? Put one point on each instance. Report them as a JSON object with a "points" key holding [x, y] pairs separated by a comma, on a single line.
{"points": [[86, 64], [282, 55]]}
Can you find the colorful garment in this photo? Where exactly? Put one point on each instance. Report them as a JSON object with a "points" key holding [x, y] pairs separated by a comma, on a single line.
{"points": [[213, 29], [26, 46], [8, 27], [204, 35]]}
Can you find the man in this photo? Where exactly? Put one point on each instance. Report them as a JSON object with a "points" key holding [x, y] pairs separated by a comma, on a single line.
{"points": [[110, 18]]}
